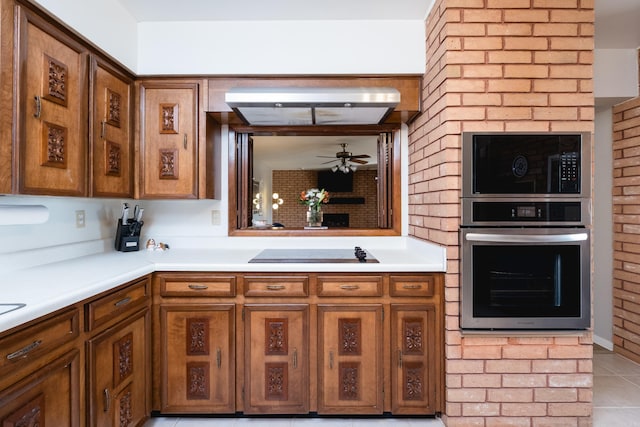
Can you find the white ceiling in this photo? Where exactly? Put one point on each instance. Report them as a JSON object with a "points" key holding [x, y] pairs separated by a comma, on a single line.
{"points": [[275, 10], [617, 21]]}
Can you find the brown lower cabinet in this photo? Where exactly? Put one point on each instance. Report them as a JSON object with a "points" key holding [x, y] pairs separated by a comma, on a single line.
{"points": [[87, 364], [350, 359], [198, 358], [118, 365], [50, 396], [325, 343], [276, 364]]}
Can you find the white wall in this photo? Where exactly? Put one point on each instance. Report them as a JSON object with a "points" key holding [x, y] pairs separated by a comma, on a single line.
{"points": [[104, 22], [603, 228], [282, 47], [615, 75], [234, 48]]}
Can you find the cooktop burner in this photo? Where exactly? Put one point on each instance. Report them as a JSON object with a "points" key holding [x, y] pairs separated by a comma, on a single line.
{"points": [[290, 256]]}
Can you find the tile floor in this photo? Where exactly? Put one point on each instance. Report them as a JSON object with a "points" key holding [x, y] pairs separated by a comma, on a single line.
{"points": [[616, 403], [616, 390], [292, 422]]}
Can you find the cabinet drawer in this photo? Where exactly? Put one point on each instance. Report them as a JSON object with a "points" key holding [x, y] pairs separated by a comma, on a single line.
{"points": [[110, 306], [357, 286], [197, 285], [410, 286], [276, 286], [42, 338]]}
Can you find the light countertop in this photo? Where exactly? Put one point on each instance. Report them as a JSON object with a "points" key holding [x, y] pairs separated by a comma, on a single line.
{"points": [[49, 287]]}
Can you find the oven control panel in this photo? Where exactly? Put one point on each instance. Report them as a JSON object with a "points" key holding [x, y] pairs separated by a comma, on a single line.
{"points": [[506, 212]]}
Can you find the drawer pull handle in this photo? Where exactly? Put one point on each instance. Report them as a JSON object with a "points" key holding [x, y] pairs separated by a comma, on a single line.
{"points": [[349, 287], [123, 301], [23, 352], [295, 358], [38, 112], [107, 399], [184, 143], [198, 287], [331, 360], [412, 286], [103, 125], [399, 358], [275, 287], [218, 358]]}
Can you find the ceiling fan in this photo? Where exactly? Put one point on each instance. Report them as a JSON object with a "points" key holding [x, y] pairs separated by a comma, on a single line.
{"points": [[344, 156]]}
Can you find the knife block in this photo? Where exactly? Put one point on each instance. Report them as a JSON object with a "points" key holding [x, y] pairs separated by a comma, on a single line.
{"points": [[128, 236]]}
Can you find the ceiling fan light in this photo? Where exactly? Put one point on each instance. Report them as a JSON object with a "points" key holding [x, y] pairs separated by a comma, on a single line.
{"points": [[334, 168], [353, 168]]}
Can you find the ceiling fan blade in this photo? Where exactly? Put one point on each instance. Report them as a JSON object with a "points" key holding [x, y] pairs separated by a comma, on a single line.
{"points": [[330, 161], [328, 157], [361, 156], [361, 162]]}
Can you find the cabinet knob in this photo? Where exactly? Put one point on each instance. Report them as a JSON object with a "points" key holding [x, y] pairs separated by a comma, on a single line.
{"points": [[38, 102], [185, 141], [107, 399]]}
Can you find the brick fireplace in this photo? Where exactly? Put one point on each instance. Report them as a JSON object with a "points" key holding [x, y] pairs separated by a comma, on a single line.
{"points": [[500, 65]]}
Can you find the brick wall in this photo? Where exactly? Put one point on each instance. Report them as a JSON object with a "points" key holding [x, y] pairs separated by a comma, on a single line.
{"points": [[289, 183], [626, 229], [500, 65]]}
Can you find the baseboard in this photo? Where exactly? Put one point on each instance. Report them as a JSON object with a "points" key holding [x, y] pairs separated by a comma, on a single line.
{"points": [[603, 342]]}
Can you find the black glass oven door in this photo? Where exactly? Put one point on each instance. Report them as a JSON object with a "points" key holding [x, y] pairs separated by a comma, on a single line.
{"points": [[529, 281]]}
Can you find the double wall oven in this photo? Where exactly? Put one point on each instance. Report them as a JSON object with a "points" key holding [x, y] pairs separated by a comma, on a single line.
{"points": [[525, 234]]}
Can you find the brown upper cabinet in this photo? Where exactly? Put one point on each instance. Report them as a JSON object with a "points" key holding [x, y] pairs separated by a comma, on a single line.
{"points": [[51, 109], [168, 164], [111, 130]]}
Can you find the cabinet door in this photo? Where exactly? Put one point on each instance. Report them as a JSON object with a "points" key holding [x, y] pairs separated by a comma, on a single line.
{"points": [[119, 369], [350, 359], [276, 359], [48, 397], [413, 359], [111, 151], [53, 109], [198, 358], [169, 138]]}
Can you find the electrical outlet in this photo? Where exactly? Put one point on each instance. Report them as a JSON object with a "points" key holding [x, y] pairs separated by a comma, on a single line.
{"points": [[215, 217], [80, 219]]}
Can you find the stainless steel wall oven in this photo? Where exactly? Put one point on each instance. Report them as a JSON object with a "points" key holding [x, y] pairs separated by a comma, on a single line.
{"points": [[525, 237]]}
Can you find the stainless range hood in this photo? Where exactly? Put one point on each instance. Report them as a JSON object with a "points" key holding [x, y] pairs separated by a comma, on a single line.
{"points": [[292, 106]]}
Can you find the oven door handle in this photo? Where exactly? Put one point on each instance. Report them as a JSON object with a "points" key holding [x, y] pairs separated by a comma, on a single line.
{"points": [[526, 238]]}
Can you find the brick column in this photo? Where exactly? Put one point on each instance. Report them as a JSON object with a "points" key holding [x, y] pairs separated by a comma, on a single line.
{"points": [[500, 65], [626, 228]]}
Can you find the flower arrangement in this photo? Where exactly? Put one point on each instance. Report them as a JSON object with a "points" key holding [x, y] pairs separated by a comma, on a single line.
{"points": [[313, 198]]}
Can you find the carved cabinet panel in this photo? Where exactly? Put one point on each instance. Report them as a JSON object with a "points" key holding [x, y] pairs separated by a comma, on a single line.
{"points": [[52, 110], [350, 359], [276, 359], [111, 148], [118, 372], [413, 359], [169, 140], [48, 397], [198, 358]]}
